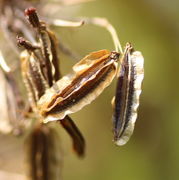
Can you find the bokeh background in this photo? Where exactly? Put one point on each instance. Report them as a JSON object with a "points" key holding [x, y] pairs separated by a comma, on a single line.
{"points": [[153, 151]]}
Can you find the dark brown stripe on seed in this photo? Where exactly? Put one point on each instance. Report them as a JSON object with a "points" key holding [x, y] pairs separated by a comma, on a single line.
{"points": [[129, 99], [79, 81], [121, 98], [83, 91]]}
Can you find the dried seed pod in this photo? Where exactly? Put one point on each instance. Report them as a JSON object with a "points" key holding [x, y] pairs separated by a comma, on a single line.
{"points": [[43, 153], [74, 91], [75, 134], [32, 67], [33, 77], [128, 91]]}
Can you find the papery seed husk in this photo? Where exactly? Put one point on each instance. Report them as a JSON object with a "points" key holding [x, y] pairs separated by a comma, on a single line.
{"points": [[128, 91], [81, 87]]}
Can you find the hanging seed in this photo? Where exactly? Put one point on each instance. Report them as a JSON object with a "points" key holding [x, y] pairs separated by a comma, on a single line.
{"points": [[74, 91], [128, 91]]}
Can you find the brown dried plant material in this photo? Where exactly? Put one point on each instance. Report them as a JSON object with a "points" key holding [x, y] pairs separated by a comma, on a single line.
{"points": [[43, 153], [36, 77], [75, 134], [53, 97], [128, 91], [74, 91]]}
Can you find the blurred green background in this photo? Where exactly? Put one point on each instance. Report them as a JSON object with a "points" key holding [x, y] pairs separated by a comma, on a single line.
{"points": [[153, 151]]}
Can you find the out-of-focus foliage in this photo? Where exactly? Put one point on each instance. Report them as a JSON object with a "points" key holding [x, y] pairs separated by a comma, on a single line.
{"points": [[153, 151]]}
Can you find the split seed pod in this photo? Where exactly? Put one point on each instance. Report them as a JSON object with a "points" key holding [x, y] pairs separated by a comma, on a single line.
{"points": [[74, 91]]}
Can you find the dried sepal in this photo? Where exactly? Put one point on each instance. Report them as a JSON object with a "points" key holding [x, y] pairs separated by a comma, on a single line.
{"points": [[74, 91], [128, 91]]}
